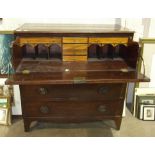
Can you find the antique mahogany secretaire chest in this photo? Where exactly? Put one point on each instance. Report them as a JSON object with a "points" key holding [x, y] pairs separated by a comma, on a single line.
{"points": [[73, 73]]}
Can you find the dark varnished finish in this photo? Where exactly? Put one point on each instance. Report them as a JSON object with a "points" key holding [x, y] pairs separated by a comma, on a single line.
{"points": [[76, 74], [72, 108], [81, 92], [43, 72], [46, 78]]}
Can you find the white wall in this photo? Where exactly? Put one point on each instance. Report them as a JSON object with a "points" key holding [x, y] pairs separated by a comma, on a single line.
{"points": [[16, 110], [149, 56], [135, 25], [152, 28]]}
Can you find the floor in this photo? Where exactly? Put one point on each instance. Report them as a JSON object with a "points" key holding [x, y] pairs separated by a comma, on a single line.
{"points": [[130, 127]]}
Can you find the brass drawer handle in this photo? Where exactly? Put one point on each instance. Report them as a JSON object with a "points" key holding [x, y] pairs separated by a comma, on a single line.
{"points": [[103, 90], [43, 91], [102, 108], [44, 109]]}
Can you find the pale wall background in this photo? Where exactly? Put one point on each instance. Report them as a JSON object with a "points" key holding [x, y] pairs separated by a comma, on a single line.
{"points": [[143, 27]]}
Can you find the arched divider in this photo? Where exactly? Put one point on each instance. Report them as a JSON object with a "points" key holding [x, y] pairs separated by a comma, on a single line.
{"points": [[28, 51], [55, 51], [41, 51], [129, 53]]}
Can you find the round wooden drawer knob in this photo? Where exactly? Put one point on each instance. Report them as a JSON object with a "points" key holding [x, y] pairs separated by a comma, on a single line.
{"points": [[102, 108], [103, 90], [43, 91], [44, 109]]}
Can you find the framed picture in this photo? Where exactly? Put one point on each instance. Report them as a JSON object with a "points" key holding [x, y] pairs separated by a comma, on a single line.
{"points": [[140, 110], [4, 116], [4, 101], [148, 113], [142, 93]]}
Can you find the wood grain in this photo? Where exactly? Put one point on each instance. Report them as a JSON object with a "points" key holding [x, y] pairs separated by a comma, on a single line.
{"points": [[91, 92], [72, 47], [38, 40], [75, 52], [75, 40], [69, 87], [118, 40], [70, 108], [75, 58]]}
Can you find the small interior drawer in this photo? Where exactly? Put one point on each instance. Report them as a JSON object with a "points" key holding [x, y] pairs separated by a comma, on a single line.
{"points": [[112, 40], [74, 47], [75, 58], [75, 52], [75, 40], [38, 40]]}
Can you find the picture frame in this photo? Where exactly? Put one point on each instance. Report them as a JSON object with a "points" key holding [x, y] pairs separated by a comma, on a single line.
{"points": [[141, 92], [140, 112], [4, 116], [148, 113], [4, 101]]}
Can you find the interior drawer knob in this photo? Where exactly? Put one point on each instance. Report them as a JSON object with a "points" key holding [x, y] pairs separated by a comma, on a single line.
{"points": [[44, 109], [103, 90], [102, 108], [43, 91]]}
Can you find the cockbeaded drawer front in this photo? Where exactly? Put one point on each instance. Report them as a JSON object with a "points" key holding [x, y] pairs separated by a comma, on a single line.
{"points": [[74, 57], [75, 40], [38, 40], [75, 48], [69, 108], [118, 40], [74, 52], [76, 92]]}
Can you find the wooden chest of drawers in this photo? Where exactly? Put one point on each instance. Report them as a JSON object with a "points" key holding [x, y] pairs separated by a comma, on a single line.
{"points": [[73, 73], [73, 103]]}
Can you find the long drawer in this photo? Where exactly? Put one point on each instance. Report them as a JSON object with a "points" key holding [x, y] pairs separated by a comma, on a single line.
{"points": [[76, 92], [68, 108]]}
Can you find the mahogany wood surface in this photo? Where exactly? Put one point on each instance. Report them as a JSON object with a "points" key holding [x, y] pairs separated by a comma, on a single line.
{"points": [[74, 73], [75, 92], [48, 72]]}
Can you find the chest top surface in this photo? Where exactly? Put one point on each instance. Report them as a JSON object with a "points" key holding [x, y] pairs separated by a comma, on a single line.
{"points": [[71, 28]]}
